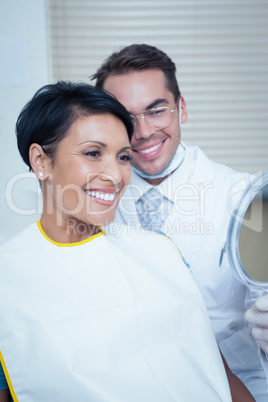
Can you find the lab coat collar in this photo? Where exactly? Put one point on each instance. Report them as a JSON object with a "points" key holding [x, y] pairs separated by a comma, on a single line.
{"points": [[168, 187]]}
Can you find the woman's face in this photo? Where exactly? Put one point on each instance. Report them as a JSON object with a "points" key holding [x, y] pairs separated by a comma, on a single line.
{"points": [[90, 172]]}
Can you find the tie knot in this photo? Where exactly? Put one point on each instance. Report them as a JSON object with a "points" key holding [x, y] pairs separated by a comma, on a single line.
{"points": [[151, 200]]}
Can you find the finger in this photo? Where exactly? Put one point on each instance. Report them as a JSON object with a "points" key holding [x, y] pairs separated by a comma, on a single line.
{"points": [[262, 303], [256, 317], [260, 333], [263, 344]]}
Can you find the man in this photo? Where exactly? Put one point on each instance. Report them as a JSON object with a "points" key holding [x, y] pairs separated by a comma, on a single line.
{"points": [[177, 190]]}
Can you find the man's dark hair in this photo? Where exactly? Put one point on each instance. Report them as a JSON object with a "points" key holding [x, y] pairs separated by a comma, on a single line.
{"points": [[46, 119], [138, 57]]}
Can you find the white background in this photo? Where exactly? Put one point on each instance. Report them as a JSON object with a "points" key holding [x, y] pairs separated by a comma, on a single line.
{"points": [[221, 52], [24, 68]]}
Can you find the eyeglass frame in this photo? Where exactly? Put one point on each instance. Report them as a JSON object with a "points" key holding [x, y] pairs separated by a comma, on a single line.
{"points": [[149, 110]]}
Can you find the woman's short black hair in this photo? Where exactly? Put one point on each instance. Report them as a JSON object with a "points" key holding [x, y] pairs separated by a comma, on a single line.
{"points": [[48, 116]]}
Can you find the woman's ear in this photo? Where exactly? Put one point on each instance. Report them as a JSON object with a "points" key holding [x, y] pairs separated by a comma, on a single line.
{"points": [[39, 161]]}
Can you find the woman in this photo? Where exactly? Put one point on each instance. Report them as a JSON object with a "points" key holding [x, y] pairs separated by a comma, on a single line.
{"points": [[86, 315]]}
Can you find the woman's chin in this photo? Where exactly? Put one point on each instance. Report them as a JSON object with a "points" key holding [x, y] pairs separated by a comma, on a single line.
{"points": [[105, 221]]}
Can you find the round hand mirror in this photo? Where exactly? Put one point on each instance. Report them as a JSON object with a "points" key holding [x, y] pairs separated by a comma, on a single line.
{"points": [[247, 240]]}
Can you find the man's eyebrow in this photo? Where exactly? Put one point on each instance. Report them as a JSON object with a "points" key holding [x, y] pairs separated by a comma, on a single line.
{"points": [[156, 103]]}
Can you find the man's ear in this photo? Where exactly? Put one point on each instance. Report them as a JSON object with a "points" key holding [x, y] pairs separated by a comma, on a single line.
{"points": [[39, 161], [183, 111]]}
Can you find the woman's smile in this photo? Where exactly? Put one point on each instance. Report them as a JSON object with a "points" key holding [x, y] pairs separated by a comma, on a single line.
{"points": [[103, 196]]}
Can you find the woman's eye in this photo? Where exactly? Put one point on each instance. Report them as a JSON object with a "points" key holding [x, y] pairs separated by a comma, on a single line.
{"points": [[93, 154], [125, 158]]}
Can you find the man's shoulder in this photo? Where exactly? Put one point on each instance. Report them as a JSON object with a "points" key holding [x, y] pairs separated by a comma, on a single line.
{"points": [[205, 169], [203, 161]]}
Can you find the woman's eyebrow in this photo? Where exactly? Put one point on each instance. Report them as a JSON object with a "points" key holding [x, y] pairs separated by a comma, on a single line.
{"points": [[125, 148], [94, 142]]}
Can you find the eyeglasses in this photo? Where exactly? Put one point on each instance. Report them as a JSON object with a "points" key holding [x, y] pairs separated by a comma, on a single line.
{"points": [[157, 118]]}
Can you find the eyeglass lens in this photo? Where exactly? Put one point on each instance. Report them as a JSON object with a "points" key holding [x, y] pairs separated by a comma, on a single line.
{"points": [[156, 118]]}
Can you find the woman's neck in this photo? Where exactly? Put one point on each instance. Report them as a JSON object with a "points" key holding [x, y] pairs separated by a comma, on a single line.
{"points": [[67, 231]]}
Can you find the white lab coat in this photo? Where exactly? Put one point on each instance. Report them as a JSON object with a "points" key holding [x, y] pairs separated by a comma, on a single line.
{"points": [[200, 196], [108, 319]]}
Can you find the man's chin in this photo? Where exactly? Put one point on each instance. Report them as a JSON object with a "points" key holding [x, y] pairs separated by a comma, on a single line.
{"points": [[149, 170]]}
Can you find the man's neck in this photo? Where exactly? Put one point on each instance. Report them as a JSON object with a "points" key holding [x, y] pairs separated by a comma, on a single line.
{"points": [[155, 182]]}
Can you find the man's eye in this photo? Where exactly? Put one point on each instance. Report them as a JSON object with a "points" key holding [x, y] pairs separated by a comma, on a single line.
{"points": [[155, 113], [126, 158]]}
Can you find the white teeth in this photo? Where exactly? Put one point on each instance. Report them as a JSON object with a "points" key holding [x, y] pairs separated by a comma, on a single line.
{"points": [[146, 151], [102, 196]]}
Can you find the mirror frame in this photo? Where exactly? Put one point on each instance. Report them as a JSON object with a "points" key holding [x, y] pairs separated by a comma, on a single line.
{"points": [[232, 244]]}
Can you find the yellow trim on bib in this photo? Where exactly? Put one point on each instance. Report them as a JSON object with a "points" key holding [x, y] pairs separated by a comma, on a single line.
{"points": [[102, 232], [169, 238], [10, 386]]}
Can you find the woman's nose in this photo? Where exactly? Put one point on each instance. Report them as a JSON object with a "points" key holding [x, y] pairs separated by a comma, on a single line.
{"points": [[112, 172]]}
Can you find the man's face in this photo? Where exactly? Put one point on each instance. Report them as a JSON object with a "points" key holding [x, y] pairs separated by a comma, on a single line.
{"points": [[138, 92]]}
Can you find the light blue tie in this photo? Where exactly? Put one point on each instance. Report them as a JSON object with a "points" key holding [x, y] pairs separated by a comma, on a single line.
{"points": [[150, 210]]}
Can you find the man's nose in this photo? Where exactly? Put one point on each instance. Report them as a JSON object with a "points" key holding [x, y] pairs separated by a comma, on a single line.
{"points": [[142, 129]]}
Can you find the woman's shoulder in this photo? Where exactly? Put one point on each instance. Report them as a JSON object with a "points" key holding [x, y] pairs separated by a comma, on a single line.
{"points": [[123, 231], [20, 240], [137, 238], [154, 252]]}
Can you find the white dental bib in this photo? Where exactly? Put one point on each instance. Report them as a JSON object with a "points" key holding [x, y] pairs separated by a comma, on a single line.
{"points": [[115, 318]]}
